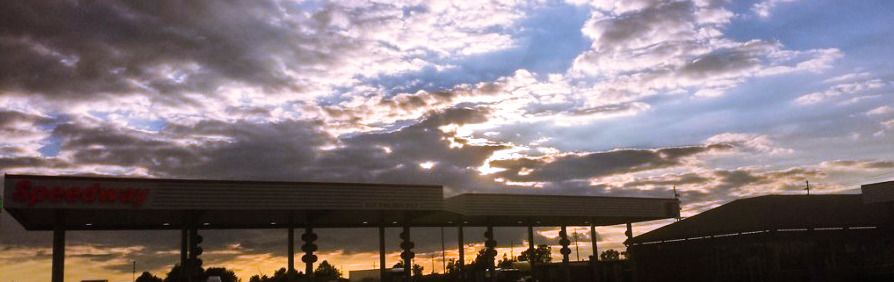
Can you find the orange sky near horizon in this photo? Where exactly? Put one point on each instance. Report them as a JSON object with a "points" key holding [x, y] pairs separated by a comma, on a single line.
{"points": [[79, 266]]}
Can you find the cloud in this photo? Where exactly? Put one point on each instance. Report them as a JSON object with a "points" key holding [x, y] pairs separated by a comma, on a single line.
{"points": [[848, 77], [881, 111], [278, 90], [653, 47], [763, 7], [395, 156], [174, 53], [858, 164], [888, 124], [372, 109], [101, 48], [571, 166], [846, 88], [749, 143], [704, 189], [22, 133], [300, 150]]}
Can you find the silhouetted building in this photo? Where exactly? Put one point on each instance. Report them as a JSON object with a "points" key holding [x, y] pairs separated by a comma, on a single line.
{"points": [[774, 238]]}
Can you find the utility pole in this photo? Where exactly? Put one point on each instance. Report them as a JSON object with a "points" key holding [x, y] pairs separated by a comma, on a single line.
{"points": [[133, 274], [808, 187], [576, 247]]}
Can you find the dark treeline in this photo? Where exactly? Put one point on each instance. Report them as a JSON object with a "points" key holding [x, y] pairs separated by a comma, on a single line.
{"points": [[327, 272]]}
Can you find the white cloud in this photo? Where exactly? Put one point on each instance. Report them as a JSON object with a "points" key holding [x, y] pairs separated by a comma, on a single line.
{"points": [[763, 8], [848, 77], [645, 48], [888, 124], [749, 142], [846, 88], [881, 111]]}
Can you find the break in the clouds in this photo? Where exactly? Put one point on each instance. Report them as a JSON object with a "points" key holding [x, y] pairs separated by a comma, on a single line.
{"points": [[716, 99]]}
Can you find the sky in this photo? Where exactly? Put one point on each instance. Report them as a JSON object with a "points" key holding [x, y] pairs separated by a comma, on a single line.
{"points": [[720, 99]]}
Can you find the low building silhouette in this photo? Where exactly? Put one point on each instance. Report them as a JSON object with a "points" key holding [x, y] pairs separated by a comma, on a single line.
{"points": [[775, 238]]}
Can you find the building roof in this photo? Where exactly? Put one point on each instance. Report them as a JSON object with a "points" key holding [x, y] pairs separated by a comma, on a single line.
{"points": [[881, 192], [557, 210], [774, 212], [110, 203]]}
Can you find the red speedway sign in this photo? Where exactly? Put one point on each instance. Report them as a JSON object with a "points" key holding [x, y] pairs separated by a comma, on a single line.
{"points": [[93, 194]]}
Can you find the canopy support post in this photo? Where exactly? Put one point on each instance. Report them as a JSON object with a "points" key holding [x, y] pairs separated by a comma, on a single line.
{"points": [[58, 249]]}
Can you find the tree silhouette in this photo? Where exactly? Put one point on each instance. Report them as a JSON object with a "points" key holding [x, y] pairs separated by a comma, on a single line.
{"points": [[417, 269], [224, 274], [541, 255], [148, 277], [326, 272], [453, 266], [610, 255], [281, 275], [174, 274], [505, 262], [481, 260]]}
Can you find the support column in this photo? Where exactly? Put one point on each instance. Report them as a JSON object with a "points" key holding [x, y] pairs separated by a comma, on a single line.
{"points": [[532, 248], [593, 242], [490, 252], [382, 267], [407, 255], [563, 235], [58, 251], [291, 266], [595, 260], [443, 253], [309, 248], [461, 244], [630, 258], [184, 245], [194, 262]]}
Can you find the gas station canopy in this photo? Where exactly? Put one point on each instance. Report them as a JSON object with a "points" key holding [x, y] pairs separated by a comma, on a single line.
{"points": [[107, 203]]}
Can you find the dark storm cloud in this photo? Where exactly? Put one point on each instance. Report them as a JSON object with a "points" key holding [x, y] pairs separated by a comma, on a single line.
{"points": [[365, 157], [727, 184], [208, 149], [720, 185], [9, 163], [22, 133], [109, 145], [273, 151], [268, 151], [287, 150], [75, 49], [598, 164], [9, 118]]}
